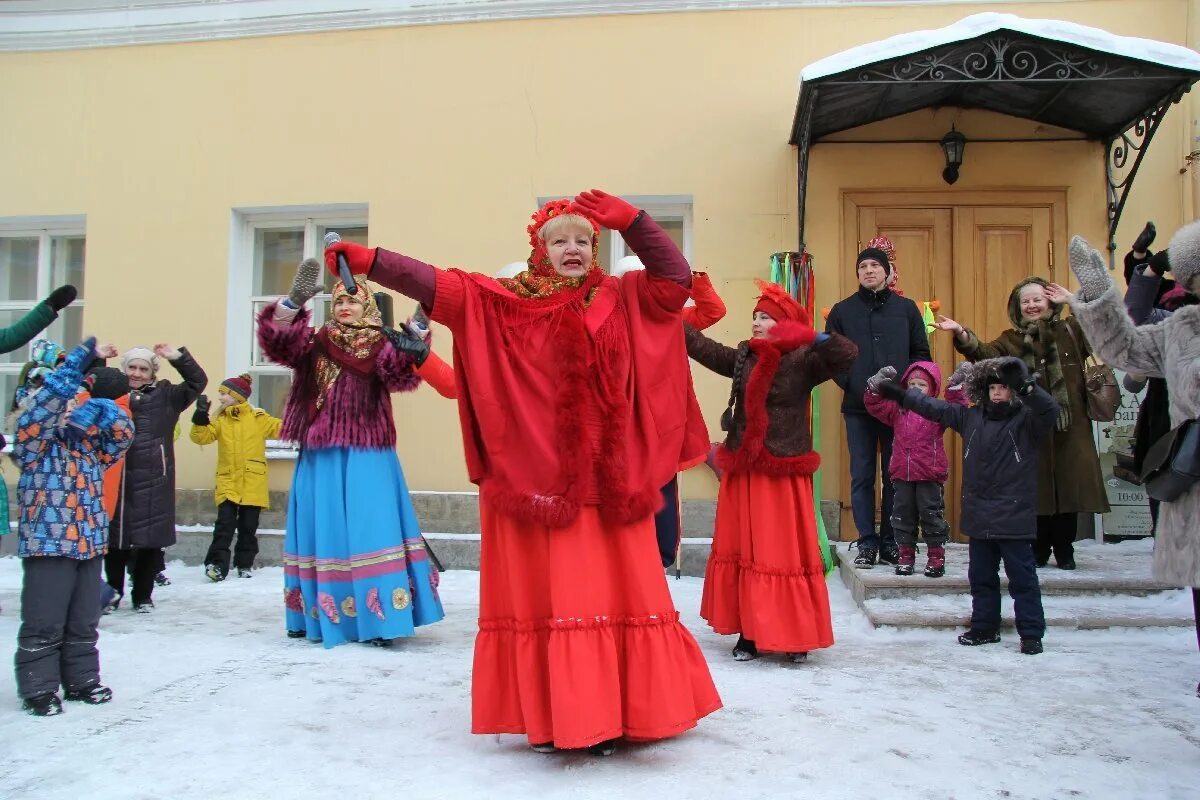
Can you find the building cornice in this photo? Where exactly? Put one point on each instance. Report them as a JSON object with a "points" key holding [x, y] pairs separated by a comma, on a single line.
{"points": [[33, 25]]}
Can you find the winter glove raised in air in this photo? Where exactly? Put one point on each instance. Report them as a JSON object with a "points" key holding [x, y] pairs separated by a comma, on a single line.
{"points": [[885, 374], [1088, 266], [408, 343], [200, 415]]}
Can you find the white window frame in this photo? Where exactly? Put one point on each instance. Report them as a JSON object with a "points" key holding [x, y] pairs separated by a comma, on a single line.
{"points": [[243, 278], [44, 229], [662, 207]]}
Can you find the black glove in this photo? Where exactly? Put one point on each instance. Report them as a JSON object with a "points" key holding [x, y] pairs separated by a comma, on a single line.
{"points": [[406, 342], [890, 390], [1159, 264], [200, 415], [1146, 238], [62, 297], [1015, 375]]}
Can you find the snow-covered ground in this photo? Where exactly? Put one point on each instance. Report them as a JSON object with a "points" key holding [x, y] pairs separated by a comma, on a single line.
{"points": [[213, 702]]}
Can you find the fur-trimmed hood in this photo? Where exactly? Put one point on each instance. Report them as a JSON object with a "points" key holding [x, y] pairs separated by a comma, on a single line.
{"points": [[980, 375], [1014, 302]]}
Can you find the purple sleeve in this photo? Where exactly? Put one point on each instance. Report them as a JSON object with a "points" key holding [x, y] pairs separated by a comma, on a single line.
{"points": [[1139, 299], [654, 247], [409, 277]]}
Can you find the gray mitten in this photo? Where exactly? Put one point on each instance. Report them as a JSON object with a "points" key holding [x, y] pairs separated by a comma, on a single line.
{"points": [[1088, 266], [306, 283], [885, 374], [961, 375]]}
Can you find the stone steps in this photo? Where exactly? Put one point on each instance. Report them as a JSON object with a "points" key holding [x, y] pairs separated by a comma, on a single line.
{"points": [[1111, 587]]}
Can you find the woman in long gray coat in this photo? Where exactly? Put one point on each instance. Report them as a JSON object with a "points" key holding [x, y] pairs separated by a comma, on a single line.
{"points": [[1169, 349]]}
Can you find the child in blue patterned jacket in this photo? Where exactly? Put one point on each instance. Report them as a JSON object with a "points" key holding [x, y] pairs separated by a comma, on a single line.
{"points": [[64, 441]]}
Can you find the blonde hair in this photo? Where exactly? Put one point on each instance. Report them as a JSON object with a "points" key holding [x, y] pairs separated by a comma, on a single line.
{"points": [[570, 222]]}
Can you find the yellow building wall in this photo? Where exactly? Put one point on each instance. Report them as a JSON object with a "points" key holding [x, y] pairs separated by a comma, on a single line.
{"points": [[450, 132]]}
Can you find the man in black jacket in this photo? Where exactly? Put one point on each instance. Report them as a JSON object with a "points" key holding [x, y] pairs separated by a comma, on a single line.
{"points": [[889, 332]]}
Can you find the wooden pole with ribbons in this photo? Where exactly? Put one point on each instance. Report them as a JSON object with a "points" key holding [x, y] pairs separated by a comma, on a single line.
{"points": [[794, 272]]}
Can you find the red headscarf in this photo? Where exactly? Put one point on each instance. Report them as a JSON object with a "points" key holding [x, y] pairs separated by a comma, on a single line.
{"points": [[541, 281], [780, 305]]}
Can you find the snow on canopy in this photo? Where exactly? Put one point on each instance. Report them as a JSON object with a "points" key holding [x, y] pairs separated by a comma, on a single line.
{"points": [[1162, 53]]}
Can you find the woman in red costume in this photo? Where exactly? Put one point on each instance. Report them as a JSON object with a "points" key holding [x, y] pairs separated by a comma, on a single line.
{"points": [[573, 395], [765, 580]]}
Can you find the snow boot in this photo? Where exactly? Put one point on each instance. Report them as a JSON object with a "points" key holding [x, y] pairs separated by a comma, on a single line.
{"points": [[973, 638], [92, 695], [161, 579], [935, 561], [866, 556], [543, 747], [1031, 646], [144, 608], [605, 748], [744, 650], [109, 599], [907, 560], [43, 705], [297, 634], [244, 572], [889, 553], [214, 573]]}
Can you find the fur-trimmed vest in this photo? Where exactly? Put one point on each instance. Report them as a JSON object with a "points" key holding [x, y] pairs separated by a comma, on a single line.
{"points": [[768, 430]]}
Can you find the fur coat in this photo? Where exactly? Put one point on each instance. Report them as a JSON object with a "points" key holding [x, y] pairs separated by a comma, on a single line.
{"points": [[1171, 350]]}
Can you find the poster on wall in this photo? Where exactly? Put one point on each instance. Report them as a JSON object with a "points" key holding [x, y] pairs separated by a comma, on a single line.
{"points": [[1130, 514]]}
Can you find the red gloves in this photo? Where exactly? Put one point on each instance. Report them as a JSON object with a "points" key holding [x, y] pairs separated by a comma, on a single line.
{"points": [[611, 212], [358, 258]]}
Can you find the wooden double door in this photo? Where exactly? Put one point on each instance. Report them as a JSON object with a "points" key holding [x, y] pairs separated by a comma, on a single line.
{"points": [[967, 255]]}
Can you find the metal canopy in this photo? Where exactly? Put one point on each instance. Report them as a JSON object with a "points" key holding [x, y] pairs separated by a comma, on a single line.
{"points": [[1114, 98]]}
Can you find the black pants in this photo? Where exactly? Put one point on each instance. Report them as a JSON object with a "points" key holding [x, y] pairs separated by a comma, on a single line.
{"points": [[870, 444], [145, 564], [983, 572], [60, 610], [232, 518], [1056, 532], [919, 501], [666, 523]]}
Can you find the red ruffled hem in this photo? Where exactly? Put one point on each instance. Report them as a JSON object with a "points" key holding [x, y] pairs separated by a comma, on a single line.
{"points": [[782, 611], [574, 655], [580, 682]]}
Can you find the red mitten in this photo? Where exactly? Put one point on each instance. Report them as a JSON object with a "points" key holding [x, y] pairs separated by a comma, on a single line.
{"points": [[358, 258], [611, 212]]}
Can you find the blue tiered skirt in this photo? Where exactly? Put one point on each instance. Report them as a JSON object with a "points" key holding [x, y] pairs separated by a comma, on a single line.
{"points": [[355, 565]]}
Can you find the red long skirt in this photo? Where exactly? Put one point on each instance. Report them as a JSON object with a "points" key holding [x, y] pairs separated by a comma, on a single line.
{"points": [[764, 578], [579, 641]]}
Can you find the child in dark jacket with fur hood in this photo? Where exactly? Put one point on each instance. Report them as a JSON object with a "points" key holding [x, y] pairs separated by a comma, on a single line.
{"points": [[1002, 432], [918, 467]]}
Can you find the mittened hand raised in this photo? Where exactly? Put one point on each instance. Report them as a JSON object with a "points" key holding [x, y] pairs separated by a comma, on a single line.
{"points": [[200, 415], [1146, 238], [62, 297], [611, 212], [962, 374], [359, 259], [885, 374], [1088, 266], [306, 283]]}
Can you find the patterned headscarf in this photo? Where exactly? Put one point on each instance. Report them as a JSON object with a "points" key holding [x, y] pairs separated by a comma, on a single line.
{"points": [[540, 281], [348, 345]]}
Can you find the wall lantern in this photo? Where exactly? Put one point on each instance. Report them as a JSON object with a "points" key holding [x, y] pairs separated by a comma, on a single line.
{"points": [[953, 145]]}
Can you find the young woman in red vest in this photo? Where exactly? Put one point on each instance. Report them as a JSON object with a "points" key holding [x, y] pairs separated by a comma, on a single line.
{"points": [[573, 394], [765, 579]]}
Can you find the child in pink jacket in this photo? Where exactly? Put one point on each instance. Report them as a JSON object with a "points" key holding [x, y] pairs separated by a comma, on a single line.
{"points": [[918, 467]]}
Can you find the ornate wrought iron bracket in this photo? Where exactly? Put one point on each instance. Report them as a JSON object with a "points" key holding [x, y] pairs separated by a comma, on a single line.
{"points": [[1120, 170]]}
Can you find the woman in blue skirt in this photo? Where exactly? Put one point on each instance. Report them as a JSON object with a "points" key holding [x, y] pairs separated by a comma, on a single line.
{"points": [[355, 565]]}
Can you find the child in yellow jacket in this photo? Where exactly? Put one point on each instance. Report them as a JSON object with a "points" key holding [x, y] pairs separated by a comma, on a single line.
{"points": [[241, 432]]}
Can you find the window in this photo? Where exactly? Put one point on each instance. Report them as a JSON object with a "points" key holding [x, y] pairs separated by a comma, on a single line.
{"points": [[672, 212], [36, 256], [267, 246]]}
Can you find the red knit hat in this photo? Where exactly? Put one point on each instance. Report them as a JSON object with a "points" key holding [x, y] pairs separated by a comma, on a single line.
{"points": [[780, 305], [239, 387]]}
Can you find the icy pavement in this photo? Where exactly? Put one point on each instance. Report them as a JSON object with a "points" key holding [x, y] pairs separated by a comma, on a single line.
{"points": [[213, 702]]}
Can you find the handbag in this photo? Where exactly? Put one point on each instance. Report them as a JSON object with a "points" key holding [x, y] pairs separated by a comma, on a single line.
{"points": [[1172, 465], [1103, 393]]}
